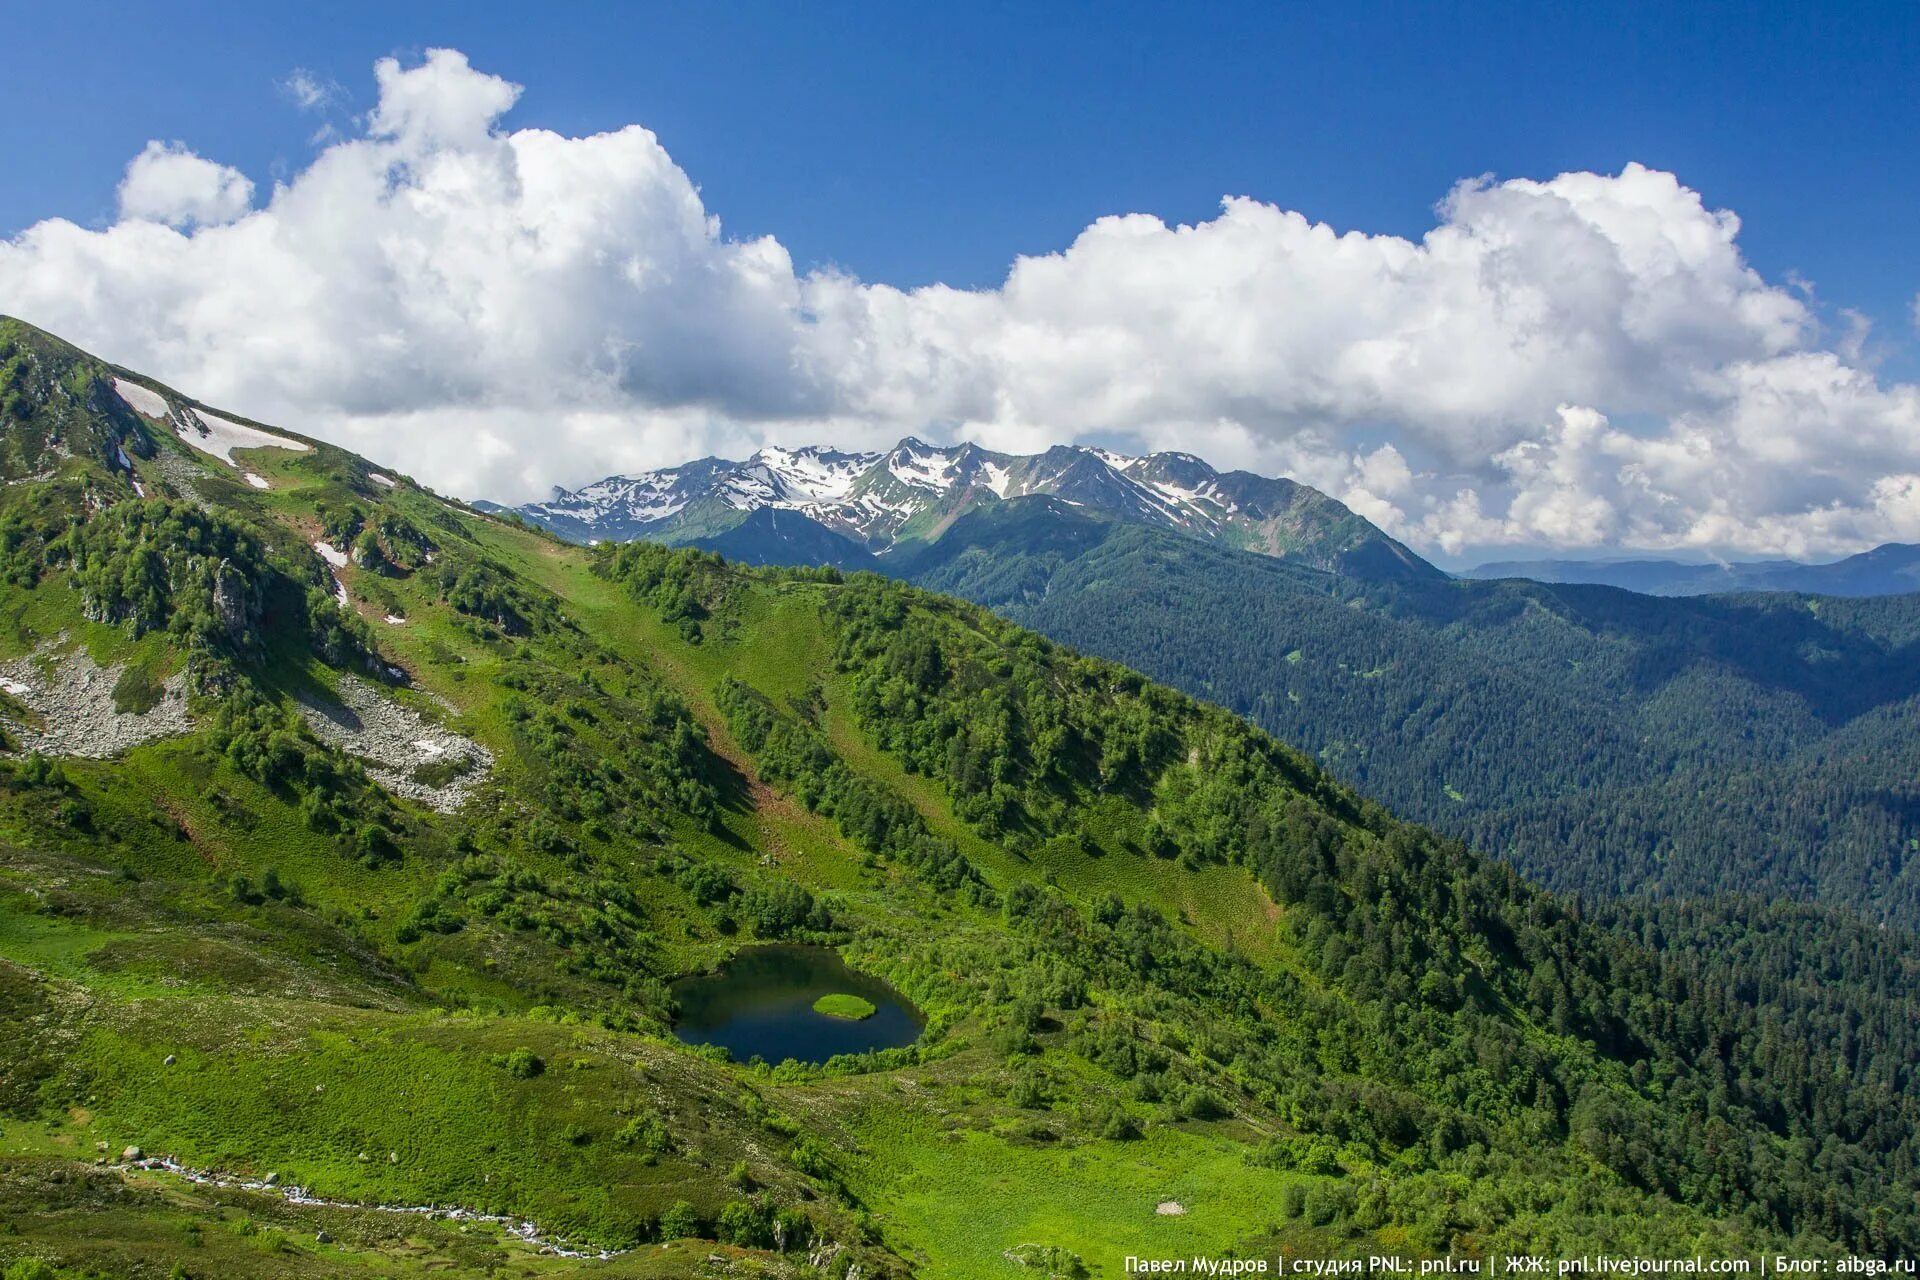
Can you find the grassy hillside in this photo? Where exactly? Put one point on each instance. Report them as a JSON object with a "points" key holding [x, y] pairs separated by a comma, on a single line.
{"points": [[1606, 743], [382, 899]]}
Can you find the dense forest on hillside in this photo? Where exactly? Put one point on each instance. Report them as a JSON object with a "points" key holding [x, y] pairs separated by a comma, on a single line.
{"points": [[1605, 742]]}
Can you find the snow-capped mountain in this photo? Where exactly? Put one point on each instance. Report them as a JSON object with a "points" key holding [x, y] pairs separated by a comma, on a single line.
{"points": [[908, 495], [700, 495]]}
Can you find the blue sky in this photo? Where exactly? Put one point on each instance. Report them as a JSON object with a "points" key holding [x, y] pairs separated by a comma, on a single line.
{"points": [[921, 143], [1590, 363]]}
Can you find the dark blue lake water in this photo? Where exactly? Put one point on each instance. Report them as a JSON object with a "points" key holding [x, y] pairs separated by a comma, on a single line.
{"points": [[760, 1003]]}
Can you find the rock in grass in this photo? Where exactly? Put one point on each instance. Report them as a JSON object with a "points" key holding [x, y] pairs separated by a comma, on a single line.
{"points": [[323, 1237], [840, 1005], [132, 1153]]}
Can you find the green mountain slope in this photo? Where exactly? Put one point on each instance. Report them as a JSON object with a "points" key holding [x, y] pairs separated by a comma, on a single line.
{"points": [[383, 900], [55, 404], [1606, 742], [769, 536]]}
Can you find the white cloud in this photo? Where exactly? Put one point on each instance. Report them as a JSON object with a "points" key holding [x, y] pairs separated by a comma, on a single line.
{"points": [[441, 104], [1582, 361], [168, 183], [310, 92]]}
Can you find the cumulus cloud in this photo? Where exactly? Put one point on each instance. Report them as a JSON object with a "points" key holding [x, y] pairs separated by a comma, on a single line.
{"points": [[1582, 361], [443, 104], [168, 183]]}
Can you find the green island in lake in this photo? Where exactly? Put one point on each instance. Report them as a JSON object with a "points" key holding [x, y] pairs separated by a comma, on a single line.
{"points": [[837, 1005]]}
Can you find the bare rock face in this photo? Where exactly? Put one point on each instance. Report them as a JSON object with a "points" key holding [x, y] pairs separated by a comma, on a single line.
{"points": [[181, 476], [71, 699], [233, 602], [403, 749]]}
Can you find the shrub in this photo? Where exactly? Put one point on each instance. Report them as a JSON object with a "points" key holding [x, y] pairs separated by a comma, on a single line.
{"points": [[746, 1223], [647, 1132], [1119, 1127], [779, 908], [1202, 1104], [681, 1221], [521, 1064]]}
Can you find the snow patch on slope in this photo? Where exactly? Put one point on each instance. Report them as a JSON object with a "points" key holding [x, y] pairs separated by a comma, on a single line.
{"points": [[922, 466], [219, 437], [651, 495], [749, 489], [1189, 500], [820, 475], [147, 403]]}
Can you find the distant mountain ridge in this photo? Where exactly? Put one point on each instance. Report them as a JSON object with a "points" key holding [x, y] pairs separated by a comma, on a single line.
{"points": [[1890, 569], [908, 495]]}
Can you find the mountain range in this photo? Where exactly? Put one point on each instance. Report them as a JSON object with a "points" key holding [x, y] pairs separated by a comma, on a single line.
{"points": [[884, 503], [1890, 569], [361, 851], [817, 505]]}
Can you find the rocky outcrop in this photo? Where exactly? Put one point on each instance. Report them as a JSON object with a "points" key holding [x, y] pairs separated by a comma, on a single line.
{"points": [[74, 712], [235, 604], [400, 747]]}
